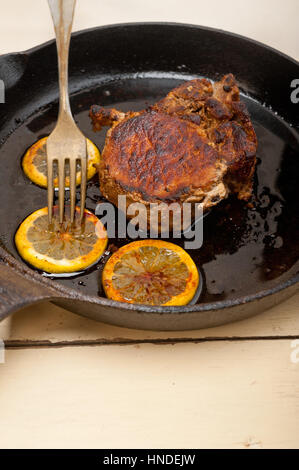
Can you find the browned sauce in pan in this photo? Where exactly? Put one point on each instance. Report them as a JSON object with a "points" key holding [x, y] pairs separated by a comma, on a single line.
{"points": [[246, 249]]}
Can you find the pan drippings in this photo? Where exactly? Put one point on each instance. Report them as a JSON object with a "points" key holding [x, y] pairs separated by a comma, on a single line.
{"points": [[247, 247]]}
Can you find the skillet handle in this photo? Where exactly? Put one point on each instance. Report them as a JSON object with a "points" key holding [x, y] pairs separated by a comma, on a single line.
{"points": [[18, 291]]}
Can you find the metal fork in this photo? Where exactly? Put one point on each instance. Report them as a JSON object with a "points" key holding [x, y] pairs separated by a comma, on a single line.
{"points": [[66, 142]]}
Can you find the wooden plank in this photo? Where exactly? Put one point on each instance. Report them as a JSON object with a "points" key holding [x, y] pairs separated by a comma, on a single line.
{"points": [[46, 322], [215, 394]]}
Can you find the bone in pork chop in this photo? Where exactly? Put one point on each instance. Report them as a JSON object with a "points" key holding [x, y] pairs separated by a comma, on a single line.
{"points": [[195, 145]]}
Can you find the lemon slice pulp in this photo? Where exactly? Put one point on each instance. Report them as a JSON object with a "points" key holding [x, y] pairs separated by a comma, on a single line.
{"points": [[34, 164], [151, 272], [61, 248]]}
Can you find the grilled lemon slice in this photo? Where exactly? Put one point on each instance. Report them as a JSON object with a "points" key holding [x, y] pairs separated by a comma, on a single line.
{"points": [[151, 272], [61, 248], [35, 164]]}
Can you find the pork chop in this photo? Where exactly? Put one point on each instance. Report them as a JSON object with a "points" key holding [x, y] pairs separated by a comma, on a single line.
{"points": [[195, 145]]}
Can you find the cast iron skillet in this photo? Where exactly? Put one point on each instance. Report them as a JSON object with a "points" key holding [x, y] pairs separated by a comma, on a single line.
{"points": [[249, 260]]}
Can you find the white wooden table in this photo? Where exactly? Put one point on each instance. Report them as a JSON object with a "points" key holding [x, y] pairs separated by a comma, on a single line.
{"points": [[71, 382]]}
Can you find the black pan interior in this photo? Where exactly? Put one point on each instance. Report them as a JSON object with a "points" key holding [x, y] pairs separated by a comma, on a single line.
{"points": [[246, 249]]}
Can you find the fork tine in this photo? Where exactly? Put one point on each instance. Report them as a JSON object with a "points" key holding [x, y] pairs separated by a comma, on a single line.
{"points": [[61, 188], [50, 189], [72, 187], [83, 187]]}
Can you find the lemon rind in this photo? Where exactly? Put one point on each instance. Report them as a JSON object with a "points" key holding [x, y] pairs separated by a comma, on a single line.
{"points": [[178, 300], [40, 179], [46, 263]]}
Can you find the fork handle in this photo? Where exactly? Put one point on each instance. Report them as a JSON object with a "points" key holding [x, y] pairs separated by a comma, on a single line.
{"points": [[62, 12]]}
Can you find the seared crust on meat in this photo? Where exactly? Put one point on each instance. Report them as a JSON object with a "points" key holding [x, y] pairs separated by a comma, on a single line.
{"points": [[172, 157], [225, 121], [105, 117], [196, 144]]}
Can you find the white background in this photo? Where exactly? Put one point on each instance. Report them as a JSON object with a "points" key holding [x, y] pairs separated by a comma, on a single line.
{"points": [[25, 23]]}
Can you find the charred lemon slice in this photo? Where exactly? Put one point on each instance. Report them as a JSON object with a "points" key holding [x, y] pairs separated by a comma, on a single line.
{"points": [[35, 164], [61, 248], [151, 272]]}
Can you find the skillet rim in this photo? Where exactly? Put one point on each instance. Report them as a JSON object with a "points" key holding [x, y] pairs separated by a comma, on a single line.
{"points": [[161, 23], [68, 293]]}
